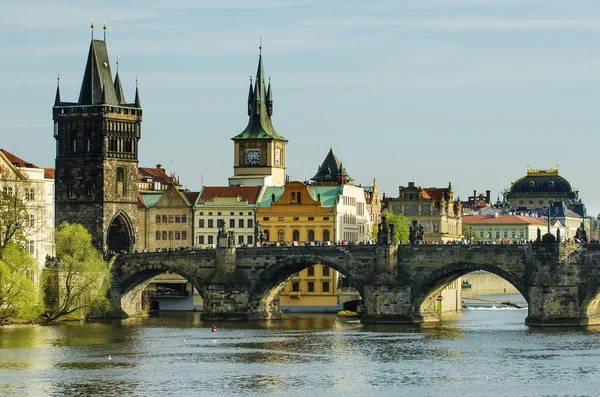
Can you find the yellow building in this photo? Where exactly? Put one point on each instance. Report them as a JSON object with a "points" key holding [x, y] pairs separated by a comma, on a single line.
{"points": [[165, 218], [500, 228], [434, 208], [298, 214]]}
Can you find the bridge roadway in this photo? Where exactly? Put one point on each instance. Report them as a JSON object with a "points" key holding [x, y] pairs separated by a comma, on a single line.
{"points": [[398, 284]]}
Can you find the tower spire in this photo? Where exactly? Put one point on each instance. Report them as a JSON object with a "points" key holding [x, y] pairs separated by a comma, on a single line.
{"points": [[104, 30], [137, 95], [269, 99], [118, 86], [57, 98], [250, 94], [92, 26]]}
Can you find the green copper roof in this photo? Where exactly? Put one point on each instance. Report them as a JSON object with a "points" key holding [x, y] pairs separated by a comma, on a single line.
{"points": [[151, 198], [328, 195], [267, 198], [260, 108]]}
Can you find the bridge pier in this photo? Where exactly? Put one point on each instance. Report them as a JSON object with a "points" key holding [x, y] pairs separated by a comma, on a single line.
{"points": [[553, 279]]}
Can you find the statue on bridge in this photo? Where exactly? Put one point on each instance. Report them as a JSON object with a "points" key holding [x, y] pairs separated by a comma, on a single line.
{"points": [[383, 234], [581, 234], [415, 233], [260, 234]]}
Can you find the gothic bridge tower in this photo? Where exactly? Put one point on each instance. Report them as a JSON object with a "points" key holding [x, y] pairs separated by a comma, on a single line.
{"points": [[259, 151], [97, 155]]}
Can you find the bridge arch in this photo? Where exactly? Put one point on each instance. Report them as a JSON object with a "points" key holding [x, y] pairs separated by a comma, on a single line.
{"points": [[435, 281], [134, 279], [273, 278], [120, 235]]}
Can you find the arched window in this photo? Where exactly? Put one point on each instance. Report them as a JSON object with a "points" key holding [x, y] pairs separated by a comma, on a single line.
{"points": [[267, 237], [311, 235], [293, 197], [281, 236], [299, 198], [325, 235], [296, 235]]}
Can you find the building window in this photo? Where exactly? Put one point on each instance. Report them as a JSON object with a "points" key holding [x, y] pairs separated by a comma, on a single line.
{"points": [[296, 235], [541, 202], [295, 218], [325, 218], [481, 233], [31, 220], [325, 286], [201, 223], [164, 219], [311, 218], [325, 271], [30, 248], [170, 235], [184, 235], [250, 223], [310, 286], [497, 235], [325, 235], [241, 213], [171, 218], [231, 213], [310, 271], [281, 218], [218, 214], [164, 235], [293, 197], [506, 234], [157, 218], [240, 240], [299, 198], [200, 239], [265, 218], [250, 240], [177, 219], [522, 202], [177, 235], [210, 239], [232, 223], [514, 234], [211, 223], [295, 286], [158, 235], [210, 213], [311, 235], [183, 218], [281, 236], [240, 223]]}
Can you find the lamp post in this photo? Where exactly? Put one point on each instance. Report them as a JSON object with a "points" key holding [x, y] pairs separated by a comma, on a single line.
{"points": [[470, 234]]}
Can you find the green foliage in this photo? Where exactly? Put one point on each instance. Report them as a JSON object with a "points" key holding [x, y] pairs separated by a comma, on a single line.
{"points": [[401, 227], [18, 294], [77, 281], [13, 218]]}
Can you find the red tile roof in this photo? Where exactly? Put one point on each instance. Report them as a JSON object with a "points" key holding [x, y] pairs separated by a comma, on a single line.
{"points": [[249, 193], [49, 173], [435, 193], [192, 196], [157, 175], [502, 220], [16, 161]]}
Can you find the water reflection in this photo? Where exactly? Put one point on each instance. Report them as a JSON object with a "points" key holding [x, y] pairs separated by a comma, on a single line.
{"points": [[476, 353]]}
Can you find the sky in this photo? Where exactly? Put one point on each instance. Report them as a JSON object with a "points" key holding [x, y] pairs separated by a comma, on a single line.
{"points": [[470, 92]]}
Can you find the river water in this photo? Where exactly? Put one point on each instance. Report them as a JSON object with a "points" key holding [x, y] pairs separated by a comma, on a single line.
{"points": [[475, 353]]}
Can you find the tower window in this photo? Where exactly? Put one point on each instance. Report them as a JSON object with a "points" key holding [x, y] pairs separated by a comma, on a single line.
{"points": [[121, 181]]}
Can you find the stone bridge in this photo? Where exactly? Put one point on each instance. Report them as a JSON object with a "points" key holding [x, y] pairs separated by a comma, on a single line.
{"points": [[398, 284]]}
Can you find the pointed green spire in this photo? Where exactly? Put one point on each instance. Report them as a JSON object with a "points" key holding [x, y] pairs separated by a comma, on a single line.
{"points": [[250, 95], [269, 99]]}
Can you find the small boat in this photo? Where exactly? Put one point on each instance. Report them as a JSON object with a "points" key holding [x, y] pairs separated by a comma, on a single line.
{"points": [[347, 314]]}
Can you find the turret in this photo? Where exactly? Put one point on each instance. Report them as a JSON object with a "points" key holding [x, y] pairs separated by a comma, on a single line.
{"points": [[269, 99]]}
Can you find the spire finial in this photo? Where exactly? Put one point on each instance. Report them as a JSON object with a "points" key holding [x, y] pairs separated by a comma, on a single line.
{"points": [[58, 80], [260, 46], [104, 30], [118, 56], [136, 82], [92, 26]]}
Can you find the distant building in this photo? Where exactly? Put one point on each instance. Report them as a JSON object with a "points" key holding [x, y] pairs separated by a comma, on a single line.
{"points": [[499, 228], [34, 186], [541, 189], [235, 205], [434, 208]]}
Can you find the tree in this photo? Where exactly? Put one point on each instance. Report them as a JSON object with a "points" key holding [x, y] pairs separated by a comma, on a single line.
{"points": [[18, 294], [77, 279], [13, 218], [400, 223]]}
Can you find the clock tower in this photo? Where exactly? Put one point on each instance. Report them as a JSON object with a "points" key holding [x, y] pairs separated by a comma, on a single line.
{"points": [[259, 151]]}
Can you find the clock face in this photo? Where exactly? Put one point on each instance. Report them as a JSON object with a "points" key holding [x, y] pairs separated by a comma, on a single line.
{"points": [[253, 156], [277, 157]]}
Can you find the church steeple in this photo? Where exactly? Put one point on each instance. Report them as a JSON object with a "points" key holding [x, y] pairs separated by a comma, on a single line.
{"points": [[260, 109]]}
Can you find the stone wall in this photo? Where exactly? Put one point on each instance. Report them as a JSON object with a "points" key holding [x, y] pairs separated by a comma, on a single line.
{"points": [[484, 283]]}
